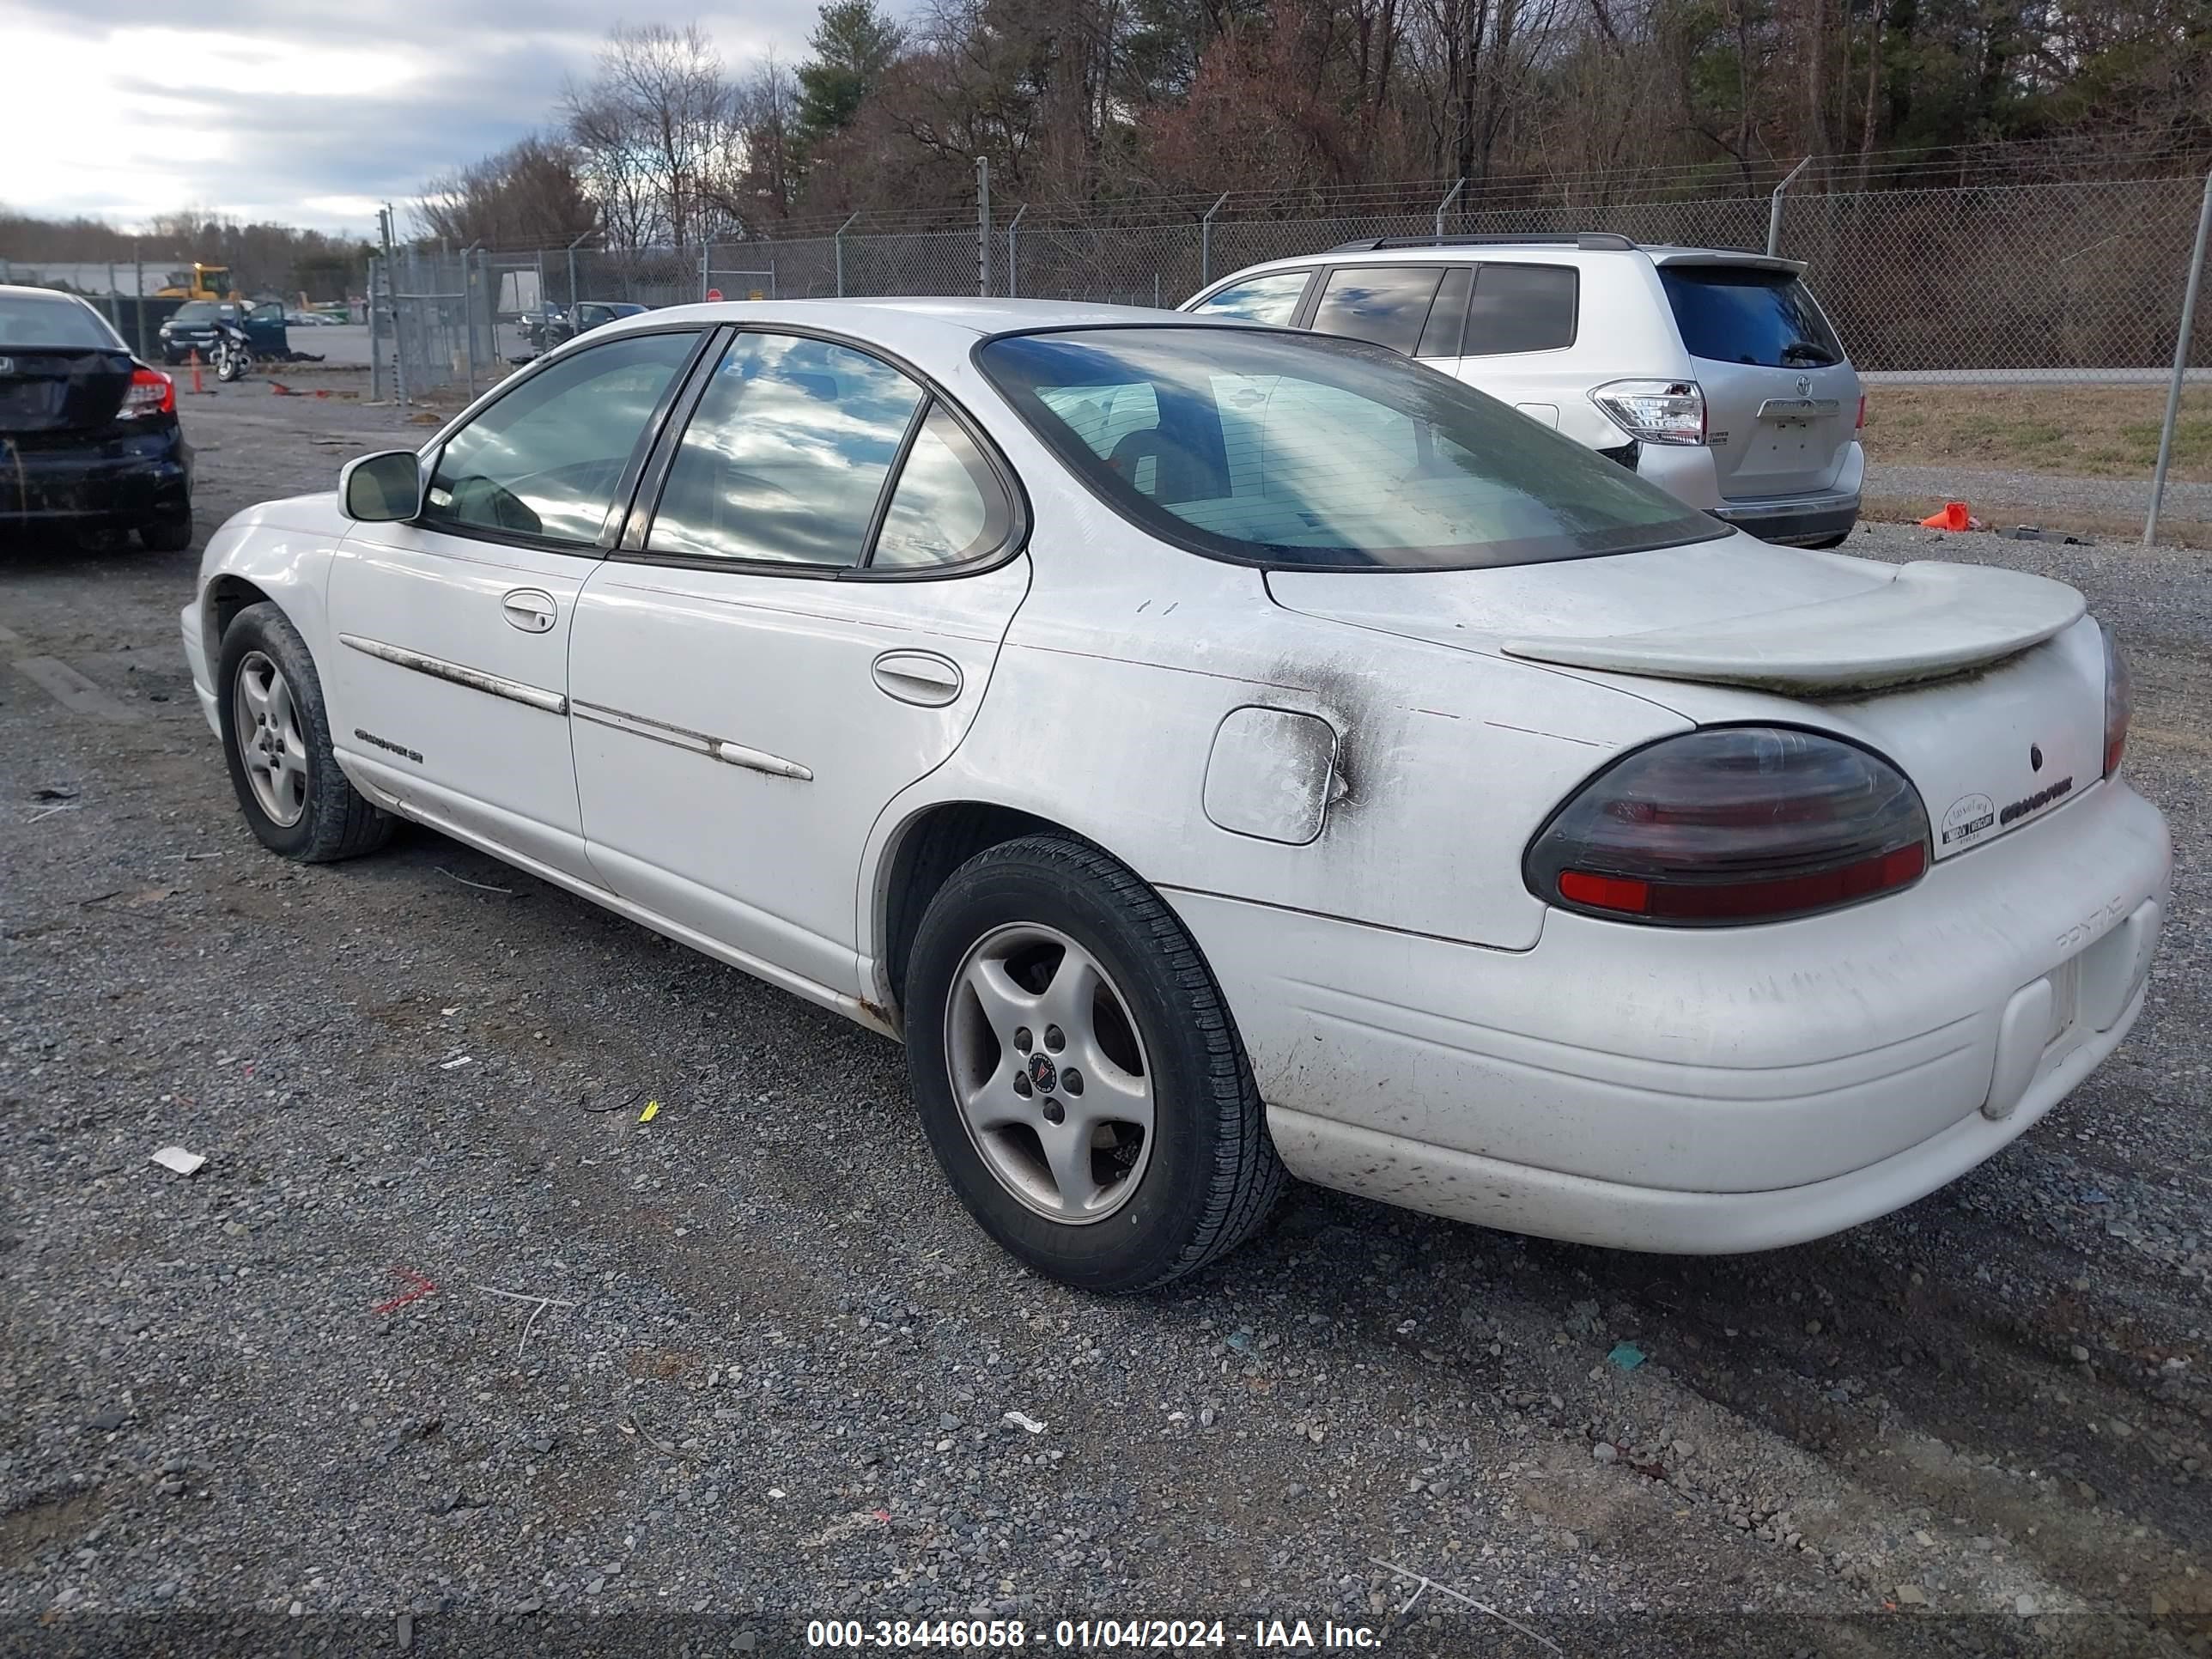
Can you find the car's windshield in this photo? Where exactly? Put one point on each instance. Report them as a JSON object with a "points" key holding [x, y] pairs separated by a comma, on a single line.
{"points": [[31, 321], [1299, 452], [203, 311]]}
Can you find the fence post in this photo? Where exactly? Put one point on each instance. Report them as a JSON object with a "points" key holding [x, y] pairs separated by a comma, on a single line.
{"points": [[837, 246], [1445, 207], [139, 293], [1206, 240], [2180, 364], [1013, 263], [468, 319], [375, 355], [1774, 209], [983, 227], [586, 237]]}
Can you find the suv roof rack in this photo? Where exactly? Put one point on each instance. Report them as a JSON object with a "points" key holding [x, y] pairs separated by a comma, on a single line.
{"points": [[1594, 240]]}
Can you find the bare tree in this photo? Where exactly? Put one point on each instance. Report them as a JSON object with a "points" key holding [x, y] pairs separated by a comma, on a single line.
{"points": [[653, 127], [528, 194]]}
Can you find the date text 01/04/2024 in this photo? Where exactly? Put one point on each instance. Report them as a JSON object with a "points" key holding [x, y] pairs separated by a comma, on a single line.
{"points": [[996, 1635]]}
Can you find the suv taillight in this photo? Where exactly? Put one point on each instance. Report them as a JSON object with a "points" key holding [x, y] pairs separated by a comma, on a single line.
{"points": [[1732, 824], [2120, 704], [1656, 412], [151, 393]]}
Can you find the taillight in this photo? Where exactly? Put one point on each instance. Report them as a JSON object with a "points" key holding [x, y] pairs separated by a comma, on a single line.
{"points": [[1656, 412], [2120, 704], [1730, 825], [151, 393], [1859, 425]]}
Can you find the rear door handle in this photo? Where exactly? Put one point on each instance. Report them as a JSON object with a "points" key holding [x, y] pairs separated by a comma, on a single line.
{"points": [[918, 676], [529, 609]]}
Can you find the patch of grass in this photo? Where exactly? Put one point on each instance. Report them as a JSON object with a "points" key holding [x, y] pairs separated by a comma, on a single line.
{"points": [[2081, 432]]}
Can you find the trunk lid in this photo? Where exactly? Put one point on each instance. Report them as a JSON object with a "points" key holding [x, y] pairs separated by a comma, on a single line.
{"points": [[55, 389], [1985, 686], [1781, 398]]}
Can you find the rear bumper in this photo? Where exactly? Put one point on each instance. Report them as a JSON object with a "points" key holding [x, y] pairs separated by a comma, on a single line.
{"points": [[124, 480], [1797, 524], [1720, 1090], [1688, 472]]}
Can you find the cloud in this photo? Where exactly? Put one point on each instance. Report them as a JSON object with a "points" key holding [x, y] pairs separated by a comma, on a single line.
{"points": [[269, 112]]}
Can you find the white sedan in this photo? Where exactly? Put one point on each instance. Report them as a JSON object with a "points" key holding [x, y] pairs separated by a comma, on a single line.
{"points": [[1221, 752]]}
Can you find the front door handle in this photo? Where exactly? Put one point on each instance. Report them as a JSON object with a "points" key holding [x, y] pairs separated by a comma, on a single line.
{"points": [[918, 676], [528, 608]]}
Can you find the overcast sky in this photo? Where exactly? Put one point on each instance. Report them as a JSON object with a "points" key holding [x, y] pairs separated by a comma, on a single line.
{"points": [[303, 115]]}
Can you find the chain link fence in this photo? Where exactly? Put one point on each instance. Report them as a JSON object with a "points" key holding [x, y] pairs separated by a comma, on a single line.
{"points": [[2067, 280], [2071, 280]]}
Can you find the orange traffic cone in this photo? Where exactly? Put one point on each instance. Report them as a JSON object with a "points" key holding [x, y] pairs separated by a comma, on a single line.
{"points": [[195, 370], [1954, 516]]}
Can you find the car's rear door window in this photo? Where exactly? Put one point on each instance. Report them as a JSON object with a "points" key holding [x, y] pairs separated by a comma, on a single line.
{"points": [[1440, 336], [545, 460], [948, 505], [1749, 315], [785, 457], [1521, 307], [1383, 305]]}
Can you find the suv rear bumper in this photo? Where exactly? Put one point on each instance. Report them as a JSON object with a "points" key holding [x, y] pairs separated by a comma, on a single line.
{"points": [[1688, 472], [1815, 520]]}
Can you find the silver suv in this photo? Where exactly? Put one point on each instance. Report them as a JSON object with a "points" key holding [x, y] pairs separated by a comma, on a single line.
{"points": [[1710, 371]]}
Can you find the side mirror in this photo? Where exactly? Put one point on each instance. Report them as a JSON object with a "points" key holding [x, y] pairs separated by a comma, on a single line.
{"points": [[383, 488]]}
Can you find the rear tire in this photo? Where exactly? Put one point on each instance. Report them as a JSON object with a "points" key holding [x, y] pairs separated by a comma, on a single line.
{"points": [[276, 737], [1058, 1171], [170, 533]]}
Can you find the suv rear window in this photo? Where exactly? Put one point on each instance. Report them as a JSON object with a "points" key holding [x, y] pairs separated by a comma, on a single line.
{"points": [[1743, 314]]}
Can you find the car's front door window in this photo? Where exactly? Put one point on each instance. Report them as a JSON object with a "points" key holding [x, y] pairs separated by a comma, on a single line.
{"points": [[785, 459], [544, 461]]}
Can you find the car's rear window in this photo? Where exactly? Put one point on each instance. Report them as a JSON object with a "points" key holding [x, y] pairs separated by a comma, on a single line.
{"points": [[1744, 314], [1299, 452], [27, 319]]}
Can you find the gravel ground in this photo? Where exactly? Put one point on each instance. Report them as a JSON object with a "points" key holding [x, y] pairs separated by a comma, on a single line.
{"points": [[466, 1355], [2119, 498]]}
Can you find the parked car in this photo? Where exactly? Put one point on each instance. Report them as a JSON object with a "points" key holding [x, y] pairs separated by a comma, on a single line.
{"points": [[549, 326], [89, 435], [310, 319], [194, 328], [1710, 371], [1222, 751]]}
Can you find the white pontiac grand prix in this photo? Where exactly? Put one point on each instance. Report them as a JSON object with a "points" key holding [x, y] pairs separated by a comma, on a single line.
{"points": [[1222, 752]]}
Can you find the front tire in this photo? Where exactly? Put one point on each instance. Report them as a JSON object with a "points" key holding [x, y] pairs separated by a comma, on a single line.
{"points": [[276, 737], [1078, 1075]]}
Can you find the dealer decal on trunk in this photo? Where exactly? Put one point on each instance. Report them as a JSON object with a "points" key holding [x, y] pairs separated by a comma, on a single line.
{"points": [[1968, 817]]}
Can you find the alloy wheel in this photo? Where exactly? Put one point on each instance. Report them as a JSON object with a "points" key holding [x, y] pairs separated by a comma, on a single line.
{"points": [[269, 744], [1049, 1073]]}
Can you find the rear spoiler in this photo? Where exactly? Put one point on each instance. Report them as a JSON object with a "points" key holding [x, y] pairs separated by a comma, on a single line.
{"points": [[1728, 261]]}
